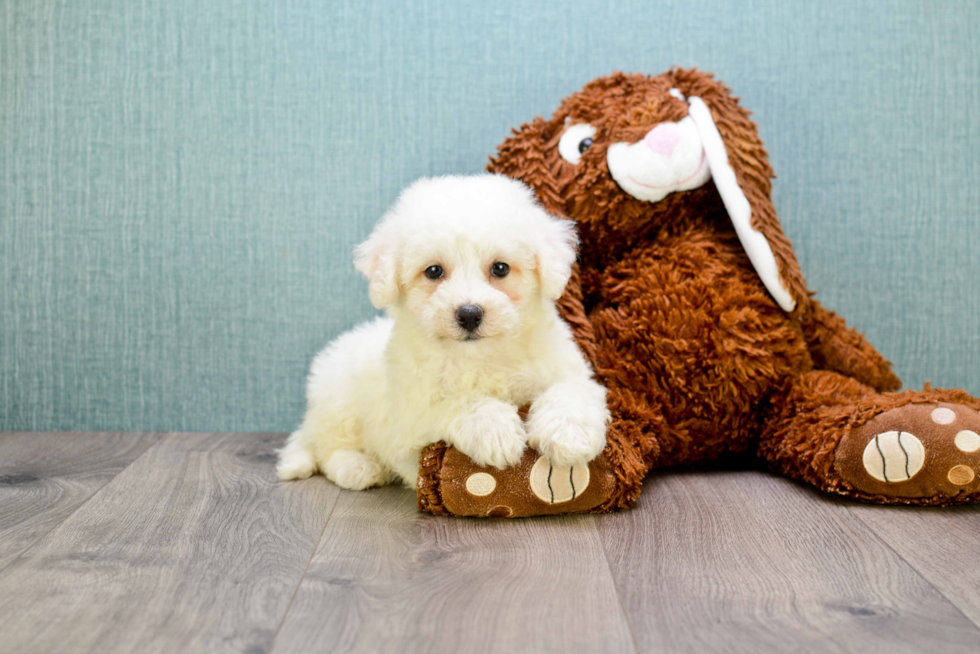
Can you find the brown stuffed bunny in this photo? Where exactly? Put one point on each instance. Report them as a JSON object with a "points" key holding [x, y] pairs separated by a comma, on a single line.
{"points": [[689, 302]]}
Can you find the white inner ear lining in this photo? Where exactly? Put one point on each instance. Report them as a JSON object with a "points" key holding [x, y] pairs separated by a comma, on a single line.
{"points": [[739, 210]]}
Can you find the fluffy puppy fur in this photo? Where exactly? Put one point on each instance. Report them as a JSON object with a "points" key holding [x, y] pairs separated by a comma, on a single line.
{"points": [[380, 393]]}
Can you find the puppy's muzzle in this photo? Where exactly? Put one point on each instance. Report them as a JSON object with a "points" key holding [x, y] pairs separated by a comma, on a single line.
{"points": [[469, 317]]}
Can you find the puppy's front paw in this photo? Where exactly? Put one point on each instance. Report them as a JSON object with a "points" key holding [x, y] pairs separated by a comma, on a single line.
{"points": [[567, 424], [491, 435]]}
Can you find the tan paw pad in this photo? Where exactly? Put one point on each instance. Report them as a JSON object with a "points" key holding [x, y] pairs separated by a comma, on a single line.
{"points": [[967, 441], [532, 487], [480, 484], [556, 484], [918, 450], [894, 456], [960, 475], [943, 416]]}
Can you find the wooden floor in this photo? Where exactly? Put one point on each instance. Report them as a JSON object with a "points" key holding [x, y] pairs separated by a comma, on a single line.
{"points": [[187, 543]]}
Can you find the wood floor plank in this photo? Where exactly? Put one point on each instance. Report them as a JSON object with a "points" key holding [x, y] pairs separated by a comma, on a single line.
{"points": [[747, 562], [388, 579], [44, 477], [195, 547], [942, 545]]}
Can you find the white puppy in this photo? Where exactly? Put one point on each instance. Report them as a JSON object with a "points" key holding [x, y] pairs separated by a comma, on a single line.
{"points": [[469, 269]]}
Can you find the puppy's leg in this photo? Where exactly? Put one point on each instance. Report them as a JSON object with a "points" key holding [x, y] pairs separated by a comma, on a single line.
{"points": [[330, 440], [318, 445], [295, 459], [346, 379], [488, 431], [567, 423], [354, 470]]}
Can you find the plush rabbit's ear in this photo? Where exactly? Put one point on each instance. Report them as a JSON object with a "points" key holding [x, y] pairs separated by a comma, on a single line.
{"points": [[740, 169], [755, 243]]}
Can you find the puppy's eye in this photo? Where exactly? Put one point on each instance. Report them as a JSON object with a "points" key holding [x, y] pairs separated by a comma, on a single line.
{"points": [[499, 269], [576, 140], [434, 272]]}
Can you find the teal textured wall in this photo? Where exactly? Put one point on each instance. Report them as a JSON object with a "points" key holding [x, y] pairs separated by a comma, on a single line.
{"points": [[181, 183]]}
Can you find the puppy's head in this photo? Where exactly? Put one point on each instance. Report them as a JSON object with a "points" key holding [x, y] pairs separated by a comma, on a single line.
{"points": [[467, 258]]}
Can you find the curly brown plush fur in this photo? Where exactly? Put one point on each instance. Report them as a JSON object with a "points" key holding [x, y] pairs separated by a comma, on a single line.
{"points": [[701, 363]]}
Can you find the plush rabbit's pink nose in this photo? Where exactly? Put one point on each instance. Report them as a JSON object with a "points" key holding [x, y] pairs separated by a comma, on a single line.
{"points": [[663, 138]]}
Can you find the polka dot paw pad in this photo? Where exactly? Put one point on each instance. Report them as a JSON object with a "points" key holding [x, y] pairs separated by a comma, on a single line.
{"points": [[914, 451], [532, 487]]}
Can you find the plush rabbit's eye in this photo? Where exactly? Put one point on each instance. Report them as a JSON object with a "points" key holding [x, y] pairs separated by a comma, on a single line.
{"points": [[434, 272], [576, 140]]}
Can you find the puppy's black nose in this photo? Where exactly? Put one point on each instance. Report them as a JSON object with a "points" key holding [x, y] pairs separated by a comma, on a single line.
{"points": [[469, 316]]}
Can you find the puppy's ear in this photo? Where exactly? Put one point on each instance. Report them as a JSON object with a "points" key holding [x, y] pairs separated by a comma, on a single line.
{"points": [[556, 255], [375, 258]]}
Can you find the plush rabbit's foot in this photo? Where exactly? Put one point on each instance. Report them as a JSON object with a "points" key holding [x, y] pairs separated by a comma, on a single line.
{"points": [[915, 452], [451, 483]]}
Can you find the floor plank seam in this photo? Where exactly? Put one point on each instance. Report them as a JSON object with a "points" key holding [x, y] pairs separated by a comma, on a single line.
{"points": [[91, 497], [917, 571], [612, 577], [292, 598]]}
